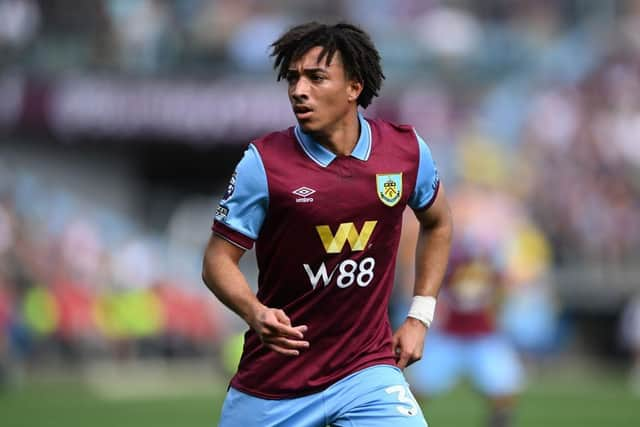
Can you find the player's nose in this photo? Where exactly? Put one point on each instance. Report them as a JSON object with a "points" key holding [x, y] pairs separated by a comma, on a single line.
{"points": [[299, 91]]}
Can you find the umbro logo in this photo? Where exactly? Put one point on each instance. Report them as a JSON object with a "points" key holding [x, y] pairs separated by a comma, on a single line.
{"points": [[304, 193]]}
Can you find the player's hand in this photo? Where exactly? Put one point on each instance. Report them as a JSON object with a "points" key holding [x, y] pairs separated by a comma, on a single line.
{"points": [[274, 328], [408, 342]]}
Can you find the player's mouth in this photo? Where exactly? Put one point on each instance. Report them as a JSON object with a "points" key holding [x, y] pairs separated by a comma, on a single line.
{"points": [[302, 112]]}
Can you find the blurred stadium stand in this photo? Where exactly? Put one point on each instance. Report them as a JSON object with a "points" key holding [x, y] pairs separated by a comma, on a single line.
{"points": [[121, 120]]}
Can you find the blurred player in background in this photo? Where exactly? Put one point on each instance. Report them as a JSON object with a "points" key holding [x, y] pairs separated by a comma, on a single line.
{"points": [[466, 341], [323, 202], [497, 266]]}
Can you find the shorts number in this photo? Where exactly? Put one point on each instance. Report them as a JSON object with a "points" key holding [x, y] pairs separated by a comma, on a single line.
{"points": [[404, 396]]}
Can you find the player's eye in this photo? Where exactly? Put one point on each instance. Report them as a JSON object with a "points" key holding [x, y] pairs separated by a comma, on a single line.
{"points": [[317, 77], [291, 77]]}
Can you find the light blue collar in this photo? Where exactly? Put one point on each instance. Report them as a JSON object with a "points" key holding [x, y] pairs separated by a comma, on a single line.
{"points": [[323, 156]]}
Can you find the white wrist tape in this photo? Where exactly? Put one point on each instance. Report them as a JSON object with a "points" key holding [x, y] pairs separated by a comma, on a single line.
{"points": [[423, 309]]}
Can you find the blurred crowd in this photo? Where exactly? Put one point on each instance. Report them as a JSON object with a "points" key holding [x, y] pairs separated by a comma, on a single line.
{"points": [[80, 280], [212, 36], [532, 109], [548, 90]]}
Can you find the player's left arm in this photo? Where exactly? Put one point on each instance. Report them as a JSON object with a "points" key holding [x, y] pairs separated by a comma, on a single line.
{"points": [[432, 255]]}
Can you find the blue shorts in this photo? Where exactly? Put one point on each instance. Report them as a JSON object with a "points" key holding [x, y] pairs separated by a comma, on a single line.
{"points": [[378, 396], [490, 362]]}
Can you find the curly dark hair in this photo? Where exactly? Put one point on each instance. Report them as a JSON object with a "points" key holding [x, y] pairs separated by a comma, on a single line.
{"points": [[359, 55]]}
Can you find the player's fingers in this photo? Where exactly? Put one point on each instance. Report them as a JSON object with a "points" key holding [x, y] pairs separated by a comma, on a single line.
{"points": [[282, 350], [403, 359], [301, 328], [288, 343], [276, 328], [395, 345], [282, 317]]}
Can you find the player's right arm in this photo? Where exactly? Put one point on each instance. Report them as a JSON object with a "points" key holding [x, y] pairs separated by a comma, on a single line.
{"points": [[221, 274], [238, 221]]}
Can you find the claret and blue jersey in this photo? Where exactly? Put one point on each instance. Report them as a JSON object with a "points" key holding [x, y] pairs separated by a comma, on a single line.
{"points": [[326, 230]]}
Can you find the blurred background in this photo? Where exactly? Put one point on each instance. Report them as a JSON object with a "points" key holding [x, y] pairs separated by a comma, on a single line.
{"points": [[122, 120]]}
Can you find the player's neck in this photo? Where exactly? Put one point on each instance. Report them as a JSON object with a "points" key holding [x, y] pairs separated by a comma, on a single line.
{"points": [[342, 138]]}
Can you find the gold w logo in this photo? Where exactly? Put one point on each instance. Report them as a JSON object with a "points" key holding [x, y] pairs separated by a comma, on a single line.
{"points": [[346, 232]]}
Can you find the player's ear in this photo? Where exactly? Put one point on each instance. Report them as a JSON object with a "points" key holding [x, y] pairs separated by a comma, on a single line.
{"points": [[354, 90]]}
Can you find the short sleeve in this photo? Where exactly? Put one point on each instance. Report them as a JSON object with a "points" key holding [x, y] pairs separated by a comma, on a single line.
{"points": [[427, 181], [242, 209]]}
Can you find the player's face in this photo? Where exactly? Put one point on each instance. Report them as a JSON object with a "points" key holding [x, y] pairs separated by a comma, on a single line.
{"points": [[320, 93]]}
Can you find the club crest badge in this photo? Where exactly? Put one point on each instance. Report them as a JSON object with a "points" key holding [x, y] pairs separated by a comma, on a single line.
{"points": [[389, 188]]}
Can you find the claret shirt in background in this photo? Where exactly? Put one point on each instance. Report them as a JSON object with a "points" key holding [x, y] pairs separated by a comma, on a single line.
{"points": [[326, 230]]}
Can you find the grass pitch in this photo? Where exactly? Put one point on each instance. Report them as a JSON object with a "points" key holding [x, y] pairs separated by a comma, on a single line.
{"points": [[552, 400]]}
